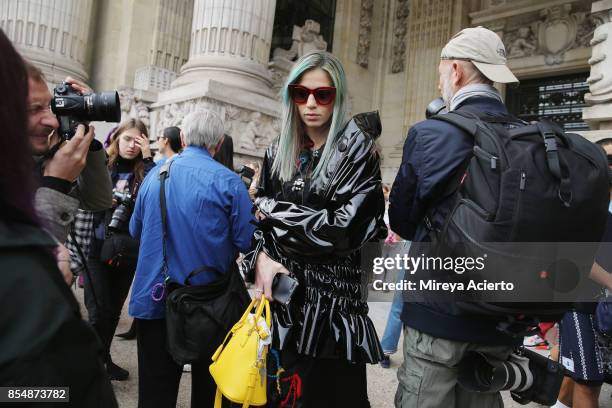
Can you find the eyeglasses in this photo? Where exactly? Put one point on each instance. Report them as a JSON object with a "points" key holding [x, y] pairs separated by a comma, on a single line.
{"points": [[323, 95]]}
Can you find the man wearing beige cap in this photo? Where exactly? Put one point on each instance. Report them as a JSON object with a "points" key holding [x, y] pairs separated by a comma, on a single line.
{"points": [[438, 335]]}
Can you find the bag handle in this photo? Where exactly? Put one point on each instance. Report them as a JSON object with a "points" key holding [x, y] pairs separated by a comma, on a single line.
{"points": [[241, 321]]}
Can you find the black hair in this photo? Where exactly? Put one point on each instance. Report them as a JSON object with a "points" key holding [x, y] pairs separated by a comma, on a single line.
{"points": [[604, 142], [16, 166], [173, 135]]}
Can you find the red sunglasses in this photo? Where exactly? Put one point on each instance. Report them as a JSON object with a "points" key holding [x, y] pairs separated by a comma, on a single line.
{"points": [[323, 95]]}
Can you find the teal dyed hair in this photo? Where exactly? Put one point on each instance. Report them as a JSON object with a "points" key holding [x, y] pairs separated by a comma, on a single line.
{"points": [[289, 143]]}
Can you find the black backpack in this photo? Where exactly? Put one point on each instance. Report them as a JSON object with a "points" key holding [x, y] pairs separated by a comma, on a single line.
{"points": [[526, 191]]}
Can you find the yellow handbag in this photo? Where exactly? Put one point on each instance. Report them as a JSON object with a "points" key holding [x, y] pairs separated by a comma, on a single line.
{"points": [[239, 364]]}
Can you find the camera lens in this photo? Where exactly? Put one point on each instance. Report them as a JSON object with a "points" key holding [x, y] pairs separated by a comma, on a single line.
{"points": [[105, 106]]}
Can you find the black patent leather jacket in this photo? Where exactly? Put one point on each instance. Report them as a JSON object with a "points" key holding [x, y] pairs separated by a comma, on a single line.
{"points": [[341, 209], [315, 228]]}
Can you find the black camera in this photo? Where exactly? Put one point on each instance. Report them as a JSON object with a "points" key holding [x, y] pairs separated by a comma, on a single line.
{"points": [[246, 174], [121, 216], [72, 108], [526, 374], [435, 107]]}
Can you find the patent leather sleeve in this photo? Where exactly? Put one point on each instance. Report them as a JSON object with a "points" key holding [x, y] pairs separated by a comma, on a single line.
{"points": [[352, 217]]}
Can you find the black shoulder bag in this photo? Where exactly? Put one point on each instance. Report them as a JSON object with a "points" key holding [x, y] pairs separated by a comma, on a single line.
{"points": [[199, 316]]}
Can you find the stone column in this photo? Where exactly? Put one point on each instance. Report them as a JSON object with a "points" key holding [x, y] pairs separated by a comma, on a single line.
{"points": [[230, 43], [169, 46], [52, 34], [421, 37], [599, 114]]}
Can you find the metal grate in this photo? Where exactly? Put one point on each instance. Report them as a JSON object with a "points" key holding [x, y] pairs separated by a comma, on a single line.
{"points": [[559, 99]]}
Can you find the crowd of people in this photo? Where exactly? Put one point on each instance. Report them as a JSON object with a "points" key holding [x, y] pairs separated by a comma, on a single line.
{"points": [[314, 201]]}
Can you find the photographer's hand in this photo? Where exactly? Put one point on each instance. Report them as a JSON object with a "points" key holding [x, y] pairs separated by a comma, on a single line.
{"points": [[70, 159], [143, 142], [79, 86]]}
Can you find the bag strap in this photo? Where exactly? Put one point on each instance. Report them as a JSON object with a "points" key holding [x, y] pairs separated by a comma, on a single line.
{"points": [[164, 173], [549, 135], [199, 270]]}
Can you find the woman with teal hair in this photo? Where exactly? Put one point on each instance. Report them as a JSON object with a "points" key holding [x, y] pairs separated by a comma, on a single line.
{"points": [[319, 201]]}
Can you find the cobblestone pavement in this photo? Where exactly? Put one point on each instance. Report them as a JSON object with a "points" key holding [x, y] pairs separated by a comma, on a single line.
{"points": [[382, 383]]}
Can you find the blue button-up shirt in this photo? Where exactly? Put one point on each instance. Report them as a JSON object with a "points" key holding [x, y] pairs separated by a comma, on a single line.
{"points": [[209, 222]]}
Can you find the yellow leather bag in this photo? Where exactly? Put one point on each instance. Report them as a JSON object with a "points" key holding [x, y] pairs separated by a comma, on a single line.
{"points": [[239, 364]]}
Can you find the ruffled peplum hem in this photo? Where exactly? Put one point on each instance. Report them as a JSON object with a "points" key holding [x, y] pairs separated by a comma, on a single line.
{"points": [[326, 317]]}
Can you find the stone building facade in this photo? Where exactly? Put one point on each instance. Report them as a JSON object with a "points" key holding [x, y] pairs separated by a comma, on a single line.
{"points": [[169, 57]]}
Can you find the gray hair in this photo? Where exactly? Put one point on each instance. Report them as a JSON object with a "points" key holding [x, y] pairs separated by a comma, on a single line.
{"points": [[202, 128]]}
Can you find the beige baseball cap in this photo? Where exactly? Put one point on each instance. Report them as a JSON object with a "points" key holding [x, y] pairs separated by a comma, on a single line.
{"points": [[484, 49]]}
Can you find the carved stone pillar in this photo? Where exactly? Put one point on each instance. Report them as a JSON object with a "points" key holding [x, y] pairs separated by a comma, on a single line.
{"points": [[169, 46], [599, 114], [227, 72], [230, 42], [52, 34], [427, 32]]}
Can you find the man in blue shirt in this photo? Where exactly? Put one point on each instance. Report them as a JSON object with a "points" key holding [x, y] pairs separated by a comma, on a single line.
{"points": [[208, 224]]}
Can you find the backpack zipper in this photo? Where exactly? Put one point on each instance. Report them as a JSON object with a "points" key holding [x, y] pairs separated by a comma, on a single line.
{"points": [[486, 156], [475, 207], [522, 183]]}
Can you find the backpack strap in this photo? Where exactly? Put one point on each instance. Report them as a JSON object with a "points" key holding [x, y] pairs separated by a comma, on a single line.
{"points": [[549, 135], [550, 132], [467, 123]]}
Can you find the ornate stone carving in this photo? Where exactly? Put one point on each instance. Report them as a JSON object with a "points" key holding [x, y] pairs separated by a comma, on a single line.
{"points": [[142, 112], [402, 12], [365, 32], [305, 40], [251, 131], [127, 97], [600, 18], [555, 32], [132, 106], [600, 80], [521, 43]]}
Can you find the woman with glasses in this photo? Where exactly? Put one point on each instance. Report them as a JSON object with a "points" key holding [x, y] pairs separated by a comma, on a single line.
{"points": [[169, 143], [319, 200], [113, 252]]}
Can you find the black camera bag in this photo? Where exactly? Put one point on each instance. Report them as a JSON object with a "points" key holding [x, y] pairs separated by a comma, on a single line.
{"points": [[199, 316], [527, 184], [119, 249]]}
